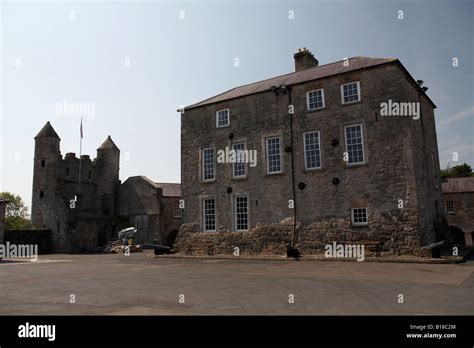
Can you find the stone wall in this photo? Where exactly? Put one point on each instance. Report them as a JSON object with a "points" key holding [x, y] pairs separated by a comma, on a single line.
{"points": [[398, 234]]}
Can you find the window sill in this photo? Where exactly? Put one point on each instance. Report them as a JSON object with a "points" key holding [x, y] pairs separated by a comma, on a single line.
{"points": [[275, 174], [357, 165], [315, 110], [315, 170], [351, 103], [240, 178], [208, 181], [223, 126]]}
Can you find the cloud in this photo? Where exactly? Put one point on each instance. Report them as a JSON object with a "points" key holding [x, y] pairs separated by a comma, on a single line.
{"points": [[459, 116]]}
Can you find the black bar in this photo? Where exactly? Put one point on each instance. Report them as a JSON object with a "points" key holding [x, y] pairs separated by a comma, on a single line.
{"points": [[224, 330]]}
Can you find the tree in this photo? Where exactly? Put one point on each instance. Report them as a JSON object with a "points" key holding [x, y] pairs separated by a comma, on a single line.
{"points": [[463, 170], [460, 171], [16, 216]]}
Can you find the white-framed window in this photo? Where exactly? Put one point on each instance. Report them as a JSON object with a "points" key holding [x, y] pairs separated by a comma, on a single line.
{"points": [[177, 212], [222, 118], [274, 160], [239, 166], [209, 214], [208, 165], [315, 99], [312, 150], [359, 216], [350, 92], [241, 213], [449, 206], [354, 144]]}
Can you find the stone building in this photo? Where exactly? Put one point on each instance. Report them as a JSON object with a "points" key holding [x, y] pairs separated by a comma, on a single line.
{"points": [[79, 198], [331, 164], [153, 208], [458, 196]]}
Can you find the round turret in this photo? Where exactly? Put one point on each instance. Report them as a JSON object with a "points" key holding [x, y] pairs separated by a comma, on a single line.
{"points": [[108, 165]]}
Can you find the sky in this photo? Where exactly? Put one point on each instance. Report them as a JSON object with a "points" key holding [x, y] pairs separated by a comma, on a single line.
{"points": [[131, 64]]}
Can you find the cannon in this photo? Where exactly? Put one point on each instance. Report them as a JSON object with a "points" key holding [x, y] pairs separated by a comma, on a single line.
{"points": [[161, 249]]}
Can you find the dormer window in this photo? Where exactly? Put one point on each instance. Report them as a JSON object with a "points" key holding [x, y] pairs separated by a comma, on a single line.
{"points": [[222, 118], [67, 172]]}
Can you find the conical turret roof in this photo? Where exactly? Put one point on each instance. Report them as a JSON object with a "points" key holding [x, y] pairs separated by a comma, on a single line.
{"points": [[108, 144], [47, 132]]}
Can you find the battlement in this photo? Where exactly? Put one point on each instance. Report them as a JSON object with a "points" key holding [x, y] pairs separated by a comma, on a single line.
{"points": [[70, 156]]}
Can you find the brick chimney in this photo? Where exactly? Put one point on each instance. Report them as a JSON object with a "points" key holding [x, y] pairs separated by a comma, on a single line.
{"points": [[304, 59]]}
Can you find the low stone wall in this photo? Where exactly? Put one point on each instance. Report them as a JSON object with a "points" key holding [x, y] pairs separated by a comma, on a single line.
{"points": [[399, 234], [41, 237], [263, 239]]}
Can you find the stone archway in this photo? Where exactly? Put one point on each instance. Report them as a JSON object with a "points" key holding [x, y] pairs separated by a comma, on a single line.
{"points": [[457, 235]]}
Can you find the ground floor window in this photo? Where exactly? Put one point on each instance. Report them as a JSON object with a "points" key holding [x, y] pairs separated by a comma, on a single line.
{"points": [[359, 216], [241, 204], [209, 214]]}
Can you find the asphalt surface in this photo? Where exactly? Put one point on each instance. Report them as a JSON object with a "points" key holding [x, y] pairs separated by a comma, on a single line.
{"points": [[137, 285]]}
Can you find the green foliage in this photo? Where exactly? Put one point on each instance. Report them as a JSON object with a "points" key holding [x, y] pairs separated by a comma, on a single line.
{"points": [[16, 216], [460, 171]]}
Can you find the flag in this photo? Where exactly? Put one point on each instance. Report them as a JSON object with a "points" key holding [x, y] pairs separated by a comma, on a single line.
{"points": [[82, 134]]}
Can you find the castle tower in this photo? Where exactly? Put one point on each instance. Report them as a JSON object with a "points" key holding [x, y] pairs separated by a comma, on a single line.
{"points": [[108, 184], [45, 171]]}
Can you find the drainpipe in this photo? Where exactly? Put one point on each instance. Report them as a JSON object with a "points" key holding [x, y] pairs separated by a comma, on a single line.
{"points": [[291, 115], [287, 90]]}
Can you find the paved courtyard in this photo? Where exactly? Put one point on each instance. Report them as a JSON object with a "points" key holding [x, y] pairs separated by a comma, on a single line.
{"points": [[137, 285]]}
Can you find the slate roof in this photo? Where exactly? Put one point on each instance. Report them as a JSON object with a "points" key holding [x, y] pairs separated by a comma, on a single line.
{"points": [[47, 132], [458, 185], [108, 144], [319, 72], [170, 189]]}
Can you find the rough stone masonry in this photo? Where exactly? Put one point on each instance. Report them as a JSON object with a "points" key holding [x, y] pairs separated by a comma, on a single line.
{"points": [[326, 156]]}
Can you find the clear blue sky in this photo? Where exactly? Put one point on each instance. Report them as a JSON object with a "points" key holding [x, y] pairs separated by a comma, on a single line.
{"points": [[48, 57]]}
